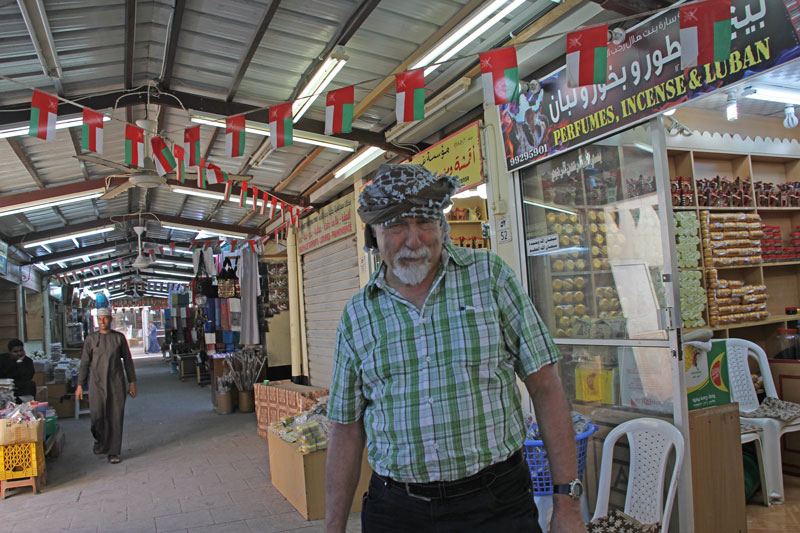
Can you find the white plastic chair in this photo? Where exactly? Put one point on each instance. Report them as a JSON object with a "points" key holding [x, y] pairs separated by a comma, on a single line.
{"points": [[738, 351], [756, 438], [650, 441]]}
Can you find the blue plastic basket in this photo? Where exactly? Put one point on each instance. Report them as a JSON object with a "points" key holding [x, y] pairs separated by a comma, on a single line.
{"points": [[539, 464]]}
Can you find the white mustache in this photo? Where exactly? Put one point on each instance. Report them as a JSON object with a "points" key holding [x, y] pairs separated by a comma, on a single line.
{"points": [[407, 253]]}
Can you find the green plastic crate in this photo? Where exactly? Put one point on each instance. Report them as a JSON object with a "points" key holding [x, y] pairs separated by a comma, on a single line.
{"points": [[51, 425]]}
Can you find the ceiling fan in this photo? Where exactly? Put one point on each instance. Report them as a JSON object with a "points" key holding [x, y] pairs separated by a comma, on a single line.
{"points": [[145, 177]]}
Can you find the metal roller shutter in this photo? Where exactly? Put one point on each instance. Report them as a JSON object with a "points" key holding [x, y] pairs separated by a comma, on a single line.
{"points": [[330, 279]]}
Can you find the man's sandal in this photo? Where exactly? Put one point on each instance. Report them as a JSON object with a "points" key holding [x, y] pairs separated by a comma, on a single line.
{"points": [[114, 459]]}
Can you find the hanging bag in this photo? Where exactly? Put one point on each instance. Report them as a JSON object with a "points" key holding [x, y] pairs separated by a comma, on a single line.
{"points": [[227, 282], [204, 283]]}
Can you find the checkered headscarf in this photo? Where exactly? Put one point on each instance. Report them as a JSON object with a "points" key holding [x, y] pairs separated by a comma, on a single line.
{"points": [[400, 191]]}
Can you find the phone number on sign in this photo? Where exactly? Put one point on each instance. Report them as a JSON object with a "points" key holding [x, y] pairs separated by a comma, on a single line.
{"points": [[530, 154]]}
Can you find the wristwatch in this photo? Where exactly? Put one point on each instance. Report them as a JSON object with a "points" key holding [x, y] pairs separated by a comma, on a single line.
{"points": [[574, 489]]}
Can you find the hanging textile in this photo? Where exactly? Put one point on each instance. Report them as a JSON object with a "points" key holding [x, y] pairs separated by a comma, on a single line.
{"points": [[250, 290]]}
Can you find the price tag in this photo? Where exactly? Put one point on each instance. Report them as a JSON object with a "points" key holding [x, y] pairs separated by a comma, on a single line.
{"points": [[503, 229], [542, 245]]}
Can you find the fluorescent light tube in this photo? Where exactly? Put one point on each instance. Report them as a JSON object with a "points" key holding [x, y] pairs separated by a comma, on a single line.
{"points": [[300, 136], [172, 273], [731, 109], [774, 94], [359, 161], [60, 125], [92, 279], [68, 237], [176, 263], [41, 266], [194, 192], [48, 203], [205, 233], [321, 78], [180, 228], [75, 258], [475, 34], [182, 251], [163, 280], [458, 34]]}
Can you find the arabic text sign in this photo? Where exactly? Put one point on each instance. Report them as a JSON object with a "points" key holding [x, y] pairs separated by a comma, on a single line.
{"points": [[331, 223], [457, 155], [644, 78], [3, 258], [542, 245]]}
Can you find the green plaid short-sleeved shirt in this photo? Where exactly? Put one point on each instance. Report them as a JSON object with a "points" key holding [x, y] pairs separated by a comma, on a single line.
{"points": [[435, 386]]}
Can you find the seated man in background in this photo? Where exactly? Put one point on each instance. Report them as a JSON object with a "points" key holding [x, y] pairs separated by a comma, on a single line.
{"points": [[19, 367]]}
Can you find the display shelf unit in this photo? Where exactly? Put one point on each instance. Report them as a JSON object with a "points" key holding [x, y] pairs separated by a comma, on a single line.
{"points": [[466, 219], [782, 279], [578, 202]]}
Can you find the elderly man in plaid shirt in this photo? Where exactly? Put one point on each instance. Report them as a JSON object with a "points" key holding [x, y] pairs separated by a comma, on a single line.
{"points": [[424, 373]]}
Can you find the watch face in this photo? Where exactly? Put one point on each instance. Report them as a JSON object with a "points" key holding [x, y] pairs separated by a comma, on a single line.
{"points": [[576, 489]]}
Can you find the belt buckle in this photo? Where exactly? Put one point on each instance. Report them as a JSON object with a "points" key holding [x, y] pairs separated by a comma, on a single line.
{"points": [[411, 494]]}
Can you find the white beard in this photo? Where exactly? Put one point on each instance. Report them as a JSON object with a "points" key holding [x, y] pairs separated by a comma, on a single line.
{"points": [[412, 274]]}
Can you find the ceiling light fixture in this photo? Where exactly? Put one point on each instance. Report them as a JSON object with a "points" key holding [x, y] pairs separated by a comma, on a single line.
{"points": [[467, 33], [305, 137], [49, 203], [362, 159], [104, 229], [774, 94], [183, 264], [731, 108], [60, 125], [172, 273], [790, 119], [670, 111], [76, 257], [321, 78], [210, 194], [165, 280]]}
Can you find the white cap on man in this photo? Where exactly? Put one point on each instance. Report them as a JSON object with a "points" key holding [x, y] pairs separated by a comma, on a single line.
{"points": [[103, 311]]}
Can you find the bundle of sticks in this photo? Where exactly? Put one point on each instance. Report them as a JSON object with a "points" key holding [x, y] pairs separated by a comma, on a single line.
{"points": [[245, 366]]}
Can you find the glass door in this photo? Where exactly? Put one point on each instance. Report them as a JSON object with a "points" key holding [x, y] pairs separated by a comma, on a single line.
{"points": [[598, 248]]}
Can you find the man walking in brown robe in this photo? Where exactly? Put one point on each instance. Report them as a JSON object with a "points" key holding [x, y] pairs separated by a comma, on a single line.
{"points": [[105, 352]]}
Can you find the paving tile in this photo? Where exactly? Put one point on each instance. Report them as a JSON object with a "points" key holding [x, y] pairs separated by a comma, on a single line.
{"points": [[203, 501], [230, 527], [143, 525], [155, 509], [279, 522], [234, 512], [183, 520]]}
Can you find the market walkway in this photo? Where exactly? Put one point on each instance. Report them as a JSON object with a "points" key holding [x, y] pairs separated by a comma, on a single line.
{"points": [[184, 468]]}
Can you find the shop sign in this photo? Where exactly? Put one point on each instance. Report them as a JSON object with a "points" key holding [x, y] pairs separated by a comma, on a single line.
{"points": [[644, 79], [707, 381], [3, 258], [329, 224], [457, 155]]}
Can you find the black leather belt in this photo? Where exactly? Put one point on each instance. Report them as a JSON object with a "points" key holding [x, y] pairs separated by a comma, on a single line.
{"points": [[442, 490]]}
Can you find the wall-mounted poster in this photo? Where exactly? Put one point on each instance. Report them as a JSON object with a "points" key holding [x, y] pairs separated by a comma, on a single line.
{"points": [[3, 258]]}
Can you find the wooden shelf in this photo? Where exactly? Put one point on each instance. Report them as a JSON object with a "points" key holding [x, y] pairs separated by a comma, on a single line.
{"points": [[733, 267], [780, 264], [777, 319]]}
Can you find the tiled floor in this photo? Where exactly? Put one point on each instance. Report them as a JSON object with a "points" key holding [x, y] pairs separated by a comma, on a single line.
{"points": [[184, 468], [777, 518]]}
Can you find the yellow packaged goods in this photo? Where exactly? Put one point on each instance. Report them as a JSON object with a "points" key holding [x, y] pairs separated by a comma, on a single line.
{"points": [[12, 432]]}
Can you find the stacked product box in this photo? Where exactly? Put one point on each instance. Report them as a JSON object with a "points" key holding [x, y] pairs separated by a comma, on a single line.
{"points": [[771, 243], [731, 239], [731, 301]]}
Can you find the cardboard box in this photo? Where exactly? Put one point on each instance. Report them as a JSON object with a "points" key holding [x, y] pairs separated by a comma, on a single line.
{"points": [[39, 379], [300, 477], [281, 398], [63, 403], [18, 432]]}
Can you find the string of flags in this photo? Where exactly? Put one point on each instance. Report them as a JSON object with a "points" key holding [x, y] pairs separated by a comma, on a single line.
{"points": [[705, 37]]}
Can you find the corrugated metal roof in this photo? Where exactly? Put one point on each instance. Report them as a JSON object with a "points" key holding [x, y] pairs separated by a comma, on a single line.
{"points": [[212, 42]]}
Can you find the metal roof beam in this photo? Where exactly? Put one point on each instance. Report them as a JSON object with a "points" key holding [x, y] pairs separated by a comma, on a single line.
{"points": [[61, 256], [255, 42], [16, 147], [172, 43], [168, 219], [55, 192], [130, 43]]}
